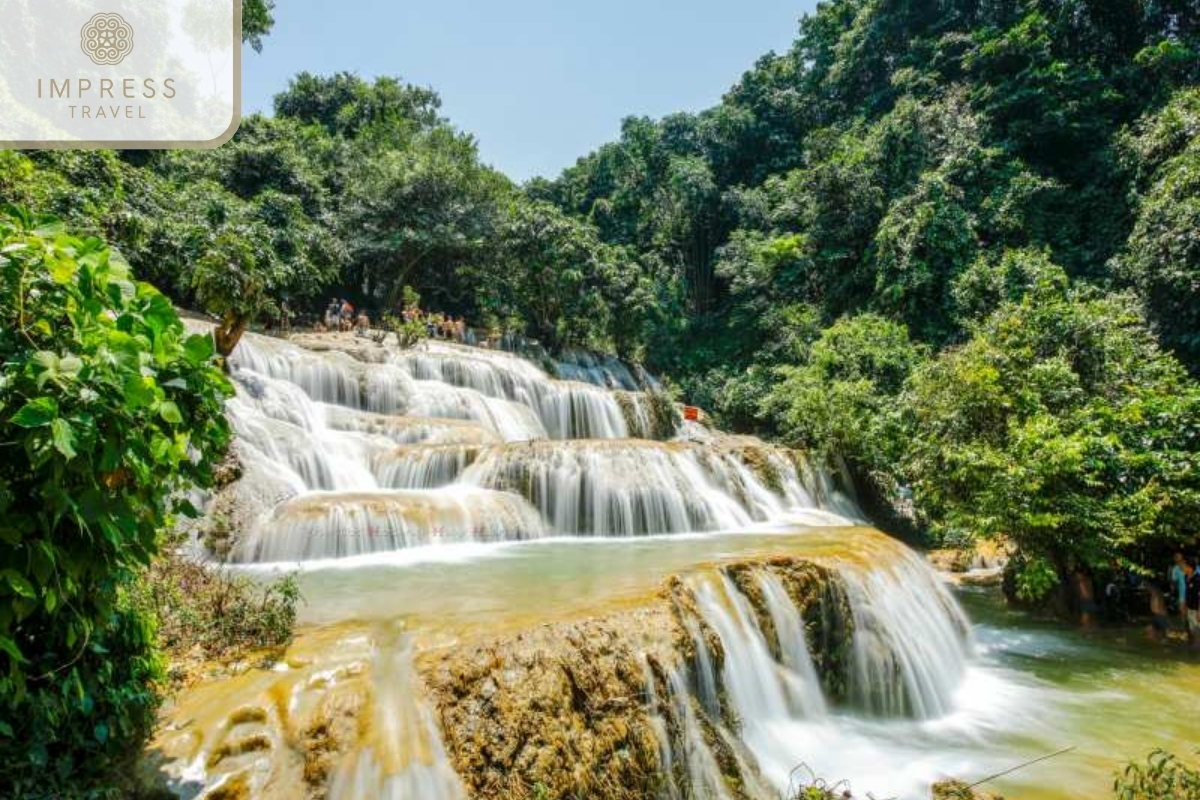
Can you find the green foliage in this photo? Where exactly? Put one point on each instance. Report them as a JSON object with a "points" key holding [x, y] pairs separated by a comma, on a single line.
{"points": [[420, 215], [108, 409], [409, 297], [1163, 775], [408, 332], [1035, 578], [346, 105], [552, 271], [207, 613], [1061, 425], [841, 398], [1162, 256], [257, 21], [922, 244]]}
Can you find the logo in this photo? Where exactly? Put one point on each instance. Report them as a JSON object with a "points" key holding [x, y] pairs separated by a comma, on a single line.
{"points": [[106, 39]]}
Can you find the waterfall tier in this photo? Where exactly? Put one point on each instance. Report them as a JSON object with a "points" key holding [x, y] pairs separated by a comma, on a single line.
{"points": [[321, 525], [506, 394], [633, 487], [356, 432]]}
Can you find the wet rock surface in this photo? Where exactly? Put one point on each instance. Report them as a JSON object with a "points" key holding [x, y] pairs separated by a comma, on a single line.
{"points": [[557, 711], [958, 790], [565, 710]]}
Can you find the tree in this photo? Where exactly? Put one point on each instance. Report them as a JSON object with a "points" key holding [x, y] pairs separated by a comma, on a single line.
{"points": [[923, 243], [1162, 256], [419, 215], [346, 105], [257, 21], [840, 399], [1060, 425], [110, 411], [550, 269], [232, 281]]}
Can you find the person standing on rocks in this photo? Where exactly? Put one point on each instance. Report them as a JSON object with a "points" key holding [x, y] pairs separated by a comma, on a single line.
{"points": [[1178, 584], [1192, 601]]}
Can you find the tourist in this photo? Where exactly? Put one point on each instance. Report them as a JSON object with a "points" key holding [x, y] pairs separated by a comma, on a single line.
{"points": [[1178, 583], [460, 330], [1087, 597], [347, 316], [1160, 618], [1192, 601], [363, 325], [331, 314]]}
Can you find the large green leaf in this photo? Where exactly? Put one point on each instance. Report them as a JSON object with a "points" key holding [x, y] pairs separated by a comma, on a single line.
{"points": [[36, 413]]}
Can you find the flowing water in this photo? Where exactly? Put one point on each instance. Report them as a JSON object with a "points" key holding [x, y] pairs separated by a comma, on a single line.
{"points": [[433, 497]]}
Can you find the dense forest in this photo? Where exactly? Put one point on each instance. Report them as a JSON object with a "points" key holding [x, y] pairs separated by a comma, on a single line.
{"points": [[954, 246]]}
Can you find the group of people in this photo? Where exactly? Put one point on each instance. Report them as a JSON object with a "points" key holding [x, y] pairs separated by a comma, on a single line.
{"points": [[340, 316], [1174, 605], [437, 325], [1183, 598]]}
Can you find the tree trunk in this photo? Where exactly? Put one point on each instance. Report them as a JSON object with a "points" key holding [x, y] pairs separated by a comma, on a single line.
{"points": [[229, 332]]}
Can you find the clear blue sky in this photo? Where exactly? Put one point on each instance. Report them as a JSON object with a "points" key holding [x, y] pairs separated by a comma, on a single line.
{"points": [[539, 82]]}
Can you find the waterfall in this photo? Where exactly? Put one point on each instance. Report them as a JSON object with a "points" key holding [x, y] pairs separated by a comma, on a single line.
{"points": [[330, 377], [564, 410], [387, 449], [907, 657], [628, 487], [321, 525], [751, 674], [801, 682], [349, 449], [910, 638], [424, 466], [403, 757], [409, 429]]}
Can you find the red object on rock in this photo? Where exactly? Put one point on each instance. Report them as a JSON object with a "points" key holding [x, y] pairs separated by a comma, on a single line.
{"points": [[691, 413]]}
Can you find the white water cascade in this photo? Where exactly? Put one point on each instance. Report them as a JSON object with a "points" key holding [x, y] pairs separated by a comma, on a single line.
{"points": [[361, 448], [908, 658], [404, 758]]}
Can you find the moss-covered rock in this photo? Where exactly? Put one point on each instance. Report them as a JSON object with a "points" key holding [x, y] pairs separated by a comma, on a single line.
{"points": [[579, 708], [957, 790], [556, 712]]}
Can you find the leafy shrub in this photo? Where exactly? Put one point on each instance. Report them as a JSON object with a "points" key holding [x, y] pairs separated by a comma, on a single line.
{"points": [[1035, 579], [108, 409], [841, 399], [1162, 776], [209, 613]]}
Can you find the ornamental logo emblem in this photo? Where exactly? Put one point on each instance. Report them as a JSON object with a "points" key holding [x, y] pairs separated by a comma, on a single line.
{"points": [[106, 39]]}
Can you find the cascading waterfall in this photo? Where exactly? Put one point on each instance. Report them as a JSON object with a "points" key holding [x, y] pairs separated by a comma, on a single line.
{"points": [[839, 648], [801, 683], [621, 488], [507, 394], [424, 466], [386, 450], [565, 410], [404, 758], [336, 525], [910, 638], [908, 656], [357, 450], [410, 429]]}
